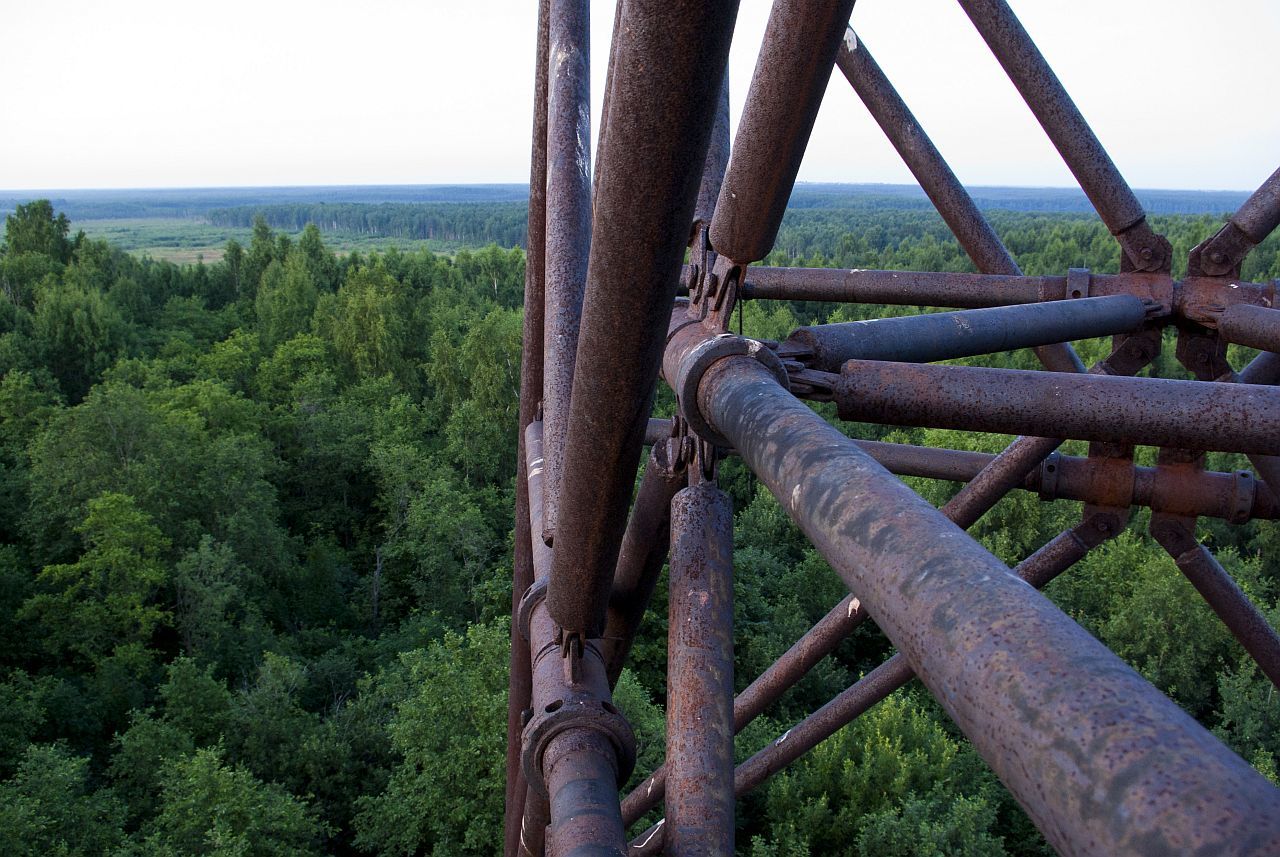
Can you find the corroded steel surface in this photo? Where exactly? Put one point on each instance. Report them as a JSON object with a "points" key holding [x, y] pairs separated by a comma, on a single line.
{"points": [[1101, 761], [651, 159], [1063, 711], [948, 335], [1154, 411], [700, 672]]}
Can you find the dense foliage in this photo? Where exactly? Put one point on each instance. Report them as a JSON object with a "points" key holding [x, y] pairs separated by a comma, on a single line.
{"points": [[255, 546], [469, 223]]}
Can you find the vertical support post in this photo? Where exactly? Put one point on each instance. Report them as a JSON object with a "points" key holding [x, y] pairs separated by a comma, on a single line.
{"points": [[666, 79], [700, 729], [1059, 554], [717, 160], [568, 228], [519, 686], [577, 748], [643, 552]]}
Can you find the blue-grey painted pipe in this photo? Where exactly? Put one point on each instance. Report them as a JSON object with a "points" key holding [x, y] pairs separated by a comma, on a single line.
{"points": [[965, 333]]}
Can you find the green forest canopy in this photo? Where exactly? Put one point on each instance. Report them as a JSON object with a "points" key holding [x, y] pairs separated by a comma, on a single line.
{"points": [[255, 558]]}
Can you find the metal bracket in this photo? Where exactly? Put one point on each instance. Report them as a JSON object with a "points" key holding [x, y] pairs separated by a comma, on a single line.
{"points": [[1078, 280]]}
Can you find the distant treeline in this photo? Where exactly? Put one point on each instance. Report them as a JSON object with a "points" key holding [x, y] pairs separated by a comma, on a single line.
{"points": [[1037, 199], [501, 223], [196, 202], [842, 207]]}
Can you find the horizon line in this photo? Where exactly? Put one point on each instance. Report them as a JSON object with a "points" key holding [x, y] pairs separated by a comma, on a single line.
{"points": [[525, 184]]}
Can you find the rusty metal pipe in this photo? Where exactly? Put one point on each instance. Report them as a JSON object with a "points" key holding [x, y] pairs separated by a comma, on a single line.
{"points": [[576, 748], [948, 335], [790, 78], [1263, 369], [1041, 700], [1222, 254], [657, 431], [926, 163], [1055, 557], [901, 288], [582, 777], [1254, 326], [533, 826], [822, 639], [666, 79], [1001, 475], [1260, 214], [519, 686], [643, 553], [922, 157], [717, 161], [1220, 591], [1230, 496], [700, 726], [1069, 132], [568, 229], [784, 673], [1154, 411]]}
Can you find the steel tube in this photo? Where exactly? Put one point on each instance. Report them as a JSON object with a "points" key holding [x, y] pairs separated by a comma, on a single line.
{"points": [[1068, 131], [1221, 255], [922, 157], [1041, 700], [657, 431], [1220, 591], [926, 163], [1234, 608], [717, 162], [584, 798], [667, 75], [1153, 411], [700, 731], [640, 560], [1260, 214], [1254, 326], [784, 673], [790, 78], [568, 229], [1053, 558], [575, 739], [1230, 496], [1059, 554], [1263, 369], [533, 826], [518, 689], [948, 335], [1004, 473], [901, 288]]}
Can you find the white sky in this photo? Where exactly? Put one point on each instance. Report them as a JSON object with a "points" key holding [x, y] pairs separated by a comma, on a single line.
{"points": [[144, 93]]}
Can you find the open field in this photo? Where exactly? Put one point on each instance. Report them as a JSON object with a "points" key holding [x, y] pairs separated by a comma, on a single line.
{"points": [[187, 240]]}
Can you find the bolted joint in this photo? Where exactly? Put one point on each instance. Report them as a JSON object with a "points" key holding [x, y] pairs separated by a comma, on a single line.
{"points": [[691, 351], [1175, 533], [574, 712], [1221, 255]]}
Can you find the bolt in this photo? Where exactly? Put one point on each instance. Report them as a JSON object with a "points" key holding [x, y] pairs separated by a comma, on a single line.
{"points": [[1102, 525], [1217, 257], [1148, 253]]}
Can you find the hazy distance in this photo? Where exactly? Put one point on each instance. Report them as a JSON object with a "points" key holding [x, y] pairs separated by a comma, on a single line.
{"points": [[141, 93]]}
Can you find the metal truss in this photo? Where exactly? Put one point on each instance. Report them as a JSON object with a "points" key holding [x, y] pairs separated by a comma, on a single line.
{"points": [[1100, 760]]}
